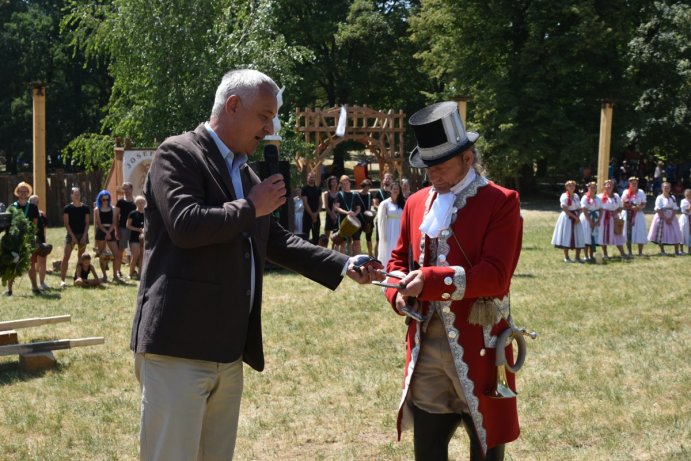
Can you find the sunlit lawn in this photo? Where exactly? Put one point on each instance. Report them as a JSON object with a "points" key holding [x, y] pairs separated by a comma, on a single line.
{"points": [[607, 379]]}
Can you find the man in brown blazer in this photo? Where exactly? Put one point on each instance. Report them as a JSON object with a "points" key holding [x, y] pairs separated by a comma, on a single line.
{"points": [[209, 231]]}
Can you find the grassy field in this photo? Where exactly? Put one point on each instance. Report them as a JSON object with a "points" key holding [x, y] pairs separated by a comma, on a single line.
{"points": [[607, 379]]}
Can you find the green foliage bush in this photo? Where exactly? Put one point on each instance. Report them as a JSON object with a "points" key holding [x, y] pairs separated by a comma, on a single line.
{"points": [[16, 247]]}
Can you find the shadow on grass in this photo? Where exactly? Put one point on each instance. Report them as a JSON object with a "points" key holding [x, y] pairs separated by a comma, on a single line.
{"points": [[530, 248], [524, 276], [42, 295], [10, 373], [49, 295]]}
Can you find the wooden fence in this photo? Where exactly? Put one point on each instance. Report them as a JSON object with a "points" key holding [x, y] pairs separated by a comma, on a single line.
{"points": [[58, 190]]}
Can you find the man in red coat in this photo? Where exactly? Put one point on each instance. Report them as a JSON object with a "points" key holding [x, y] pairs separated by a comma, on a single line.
{"points": [[459, 245]]}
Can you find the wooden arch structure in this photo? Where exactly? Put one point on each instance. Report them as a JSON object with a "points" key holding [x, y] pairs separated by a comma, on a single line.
{"points": [[380, 132]]}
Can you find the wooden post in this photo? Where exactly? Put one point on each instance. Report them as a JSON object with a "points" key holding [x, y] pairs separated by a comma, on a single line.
{"points": [[116, 174], [605, 143], [8, 337], [462, 102], [37, 362], [39, 93]]}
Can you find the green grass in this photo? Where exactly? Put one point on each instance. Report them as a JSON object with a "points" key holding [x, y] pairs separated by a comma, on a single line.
{"points": [[607, 379]]}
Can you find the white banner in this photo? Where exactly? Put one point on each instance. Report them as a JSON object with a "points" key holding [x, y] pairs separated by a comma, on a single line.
{"points": [[342, 120], [135, 166]]}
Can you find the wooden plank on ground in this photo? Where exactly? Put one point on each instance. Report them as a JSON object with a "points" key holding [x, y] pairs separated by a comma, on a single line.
{"points": [[28, 348], [33, 322]]}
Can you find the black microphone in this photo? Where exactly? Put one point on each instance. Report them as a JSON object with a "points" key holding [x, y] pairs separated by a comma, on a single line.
{"points": [[271, 158], [272, 166]]}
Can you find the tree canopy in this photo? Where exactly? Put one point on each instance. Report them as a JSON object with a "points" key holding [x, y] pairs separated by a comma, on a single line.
{"points": [[536, 71], [660, 68], [166, 61], [33, 50]]}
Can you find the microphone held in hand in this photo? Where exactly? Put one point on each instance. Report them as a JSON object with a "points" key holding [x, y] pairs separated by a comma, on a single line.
{"points": [[271, 158], [269, 196]]}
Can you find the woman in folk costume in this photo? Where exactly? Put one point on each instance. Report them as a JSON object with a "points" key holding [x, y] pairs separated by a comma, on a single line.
{"points": [[459, 245], [611, 206], [389, 222], [634, 200], [665, 228], [685, 221], [568, 232], [590, 219]]}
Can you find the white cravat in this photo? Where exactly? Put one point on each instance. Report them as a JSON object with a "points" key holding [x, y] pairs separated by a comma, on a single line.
{"points": [[439, 216]]}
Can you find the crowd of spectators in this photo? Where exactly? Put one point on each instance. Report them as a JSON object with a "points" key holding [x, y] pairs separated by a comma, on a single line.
{"points": [[118, 233], [651, 175], [352, 215]]}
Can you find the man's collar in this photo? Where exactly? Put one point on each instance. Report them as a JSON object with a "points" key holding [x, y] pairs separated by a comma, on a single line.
{"points": [[222, 148], [225, 151]]}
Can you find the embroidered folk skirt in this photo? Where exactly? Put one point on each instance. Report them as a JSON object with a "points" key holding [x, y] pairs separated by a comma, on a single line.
{"points": [[635, 231], [664, 233], [567, 233]]}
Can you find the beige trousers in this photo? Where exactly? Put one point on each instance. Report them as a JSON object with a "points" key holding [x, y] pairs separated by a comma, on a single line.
{"points": [[435, 387], [190, 408]]}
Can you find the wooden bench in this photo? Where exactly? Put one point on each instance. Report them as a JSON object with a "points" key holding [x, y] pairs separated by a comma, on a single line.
{"points": [[38, 356]]}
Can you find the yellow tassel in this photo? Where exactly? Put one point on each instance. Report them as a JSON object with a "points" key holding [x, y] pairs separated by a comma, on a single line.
{"points": [[484, 312]]}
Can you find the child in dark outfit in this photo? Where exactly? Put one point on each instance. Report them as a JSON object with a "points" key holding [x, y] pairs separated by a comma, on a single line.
{"points": [[84, 269]]}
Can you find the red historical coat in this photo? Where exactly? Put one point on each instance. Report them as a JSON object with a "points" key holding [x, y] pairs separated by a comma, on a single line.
{"points": [[487, 227]]}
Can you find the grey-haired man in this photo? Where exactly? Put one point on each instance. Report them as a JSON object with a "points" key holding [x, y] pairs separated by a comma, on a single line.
{"points": [[209, 231]]}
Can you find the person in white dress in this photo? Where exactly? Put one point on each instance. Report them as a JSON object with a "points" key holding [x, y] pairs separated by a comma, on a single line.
{"points": [[685, 221], [389, 223], [635, 230], [299, 210], [665, 227], [590, 219], [607, 234], [568, 233]]}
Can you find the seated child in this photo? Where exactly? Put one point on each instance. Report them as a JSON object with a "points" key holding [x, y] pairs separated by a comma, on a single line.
{"points": [[84, 269]]}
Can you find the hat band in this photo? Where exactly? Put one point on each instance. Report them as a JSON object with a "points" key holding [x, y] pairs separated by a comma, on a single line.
{"points": [[437, 152], [454, 128]]}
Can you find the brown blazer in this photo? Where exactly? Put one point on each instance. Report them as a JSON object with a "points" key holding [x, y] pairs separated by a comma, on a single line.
{"points": [[194, 294]]}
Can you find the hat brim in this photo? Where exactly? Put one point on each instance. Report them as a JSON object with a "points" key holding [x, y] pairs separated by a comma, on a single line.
{"points": [[23, 184], [416, 161]]}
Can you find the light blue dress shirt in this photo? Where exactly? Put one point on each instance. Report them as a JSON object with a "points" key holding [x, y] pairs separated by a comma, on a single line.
{"points": [[234, 163]]}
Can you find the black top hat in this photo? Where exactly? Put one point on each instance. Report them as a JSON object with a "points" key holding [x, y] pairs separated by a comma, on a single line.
{"points": [[440, 134]]}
